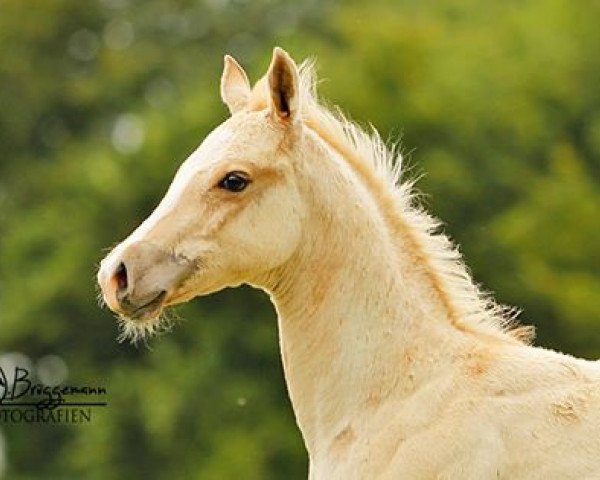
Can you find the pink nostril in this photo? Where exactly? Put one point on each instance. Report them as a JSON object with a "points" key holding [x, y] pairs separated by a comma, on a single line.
{"points": [[121, 277]]}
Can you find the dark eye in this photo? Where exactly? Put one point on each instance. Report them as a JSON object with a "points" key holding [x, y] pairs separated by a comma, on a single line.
{"points": [[234, 182]]}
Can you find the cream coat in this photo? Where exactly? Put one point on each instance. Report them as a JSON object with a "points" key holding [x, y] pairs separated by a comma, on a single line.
{"points": [[397, 366]]}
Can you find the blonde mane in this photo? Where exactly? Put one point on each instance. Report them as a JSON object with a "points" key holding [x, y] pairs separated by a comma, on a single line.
{"points": [[468, 307]]}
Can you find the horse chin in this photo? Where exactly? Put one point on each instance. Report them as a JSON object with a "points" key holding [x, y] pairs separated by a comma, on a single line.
{"points": [[152, 319], [143, 325]]}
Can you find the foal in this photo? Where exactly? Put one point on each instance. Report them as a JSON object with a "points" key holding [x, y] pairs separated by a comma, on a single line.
{"points": [[396, 365]]}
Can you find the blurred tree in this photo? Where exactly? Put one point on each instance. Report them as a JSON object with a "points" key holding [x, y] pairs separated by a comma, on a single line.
{"points": [[102, 100], [499, 104]]}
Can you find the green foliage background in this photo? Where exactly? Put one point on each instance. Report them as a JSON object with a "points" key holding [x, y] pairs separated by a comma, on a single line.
{"points": [[498, 102]]}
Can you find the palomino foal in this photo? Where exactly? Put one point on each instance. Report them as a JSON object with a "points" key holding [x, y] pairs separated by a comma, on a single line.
{"points": [[396, 365]]}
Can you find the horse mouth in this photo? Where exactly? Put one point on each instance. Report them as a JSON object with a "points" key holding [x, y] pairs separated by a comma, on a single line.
{"points": [[149, 310]]}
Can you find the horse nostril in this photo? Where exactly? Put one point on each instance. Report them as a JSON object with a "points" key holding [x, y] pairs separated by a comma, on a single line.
{"points": [[121, 277]]}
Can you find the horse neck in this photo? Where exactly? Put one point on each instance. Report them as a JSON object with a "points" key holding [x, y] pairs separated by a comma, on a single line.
{"points": [[358, 322]]}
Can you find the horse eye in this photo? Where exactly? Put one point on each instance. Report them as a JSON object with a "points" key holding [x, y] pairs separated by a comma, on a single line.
{"points": [[234, 182]]}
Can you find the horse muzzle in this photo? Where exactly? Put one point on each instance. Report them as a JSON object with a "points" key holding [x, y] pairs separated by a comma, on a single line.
{"points": [[136, 280]]}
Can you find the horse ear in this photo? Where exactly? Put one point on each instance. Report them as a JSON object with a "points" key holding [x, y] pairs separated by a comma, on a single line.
{"points": [[283, 86], [235, 87]]}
